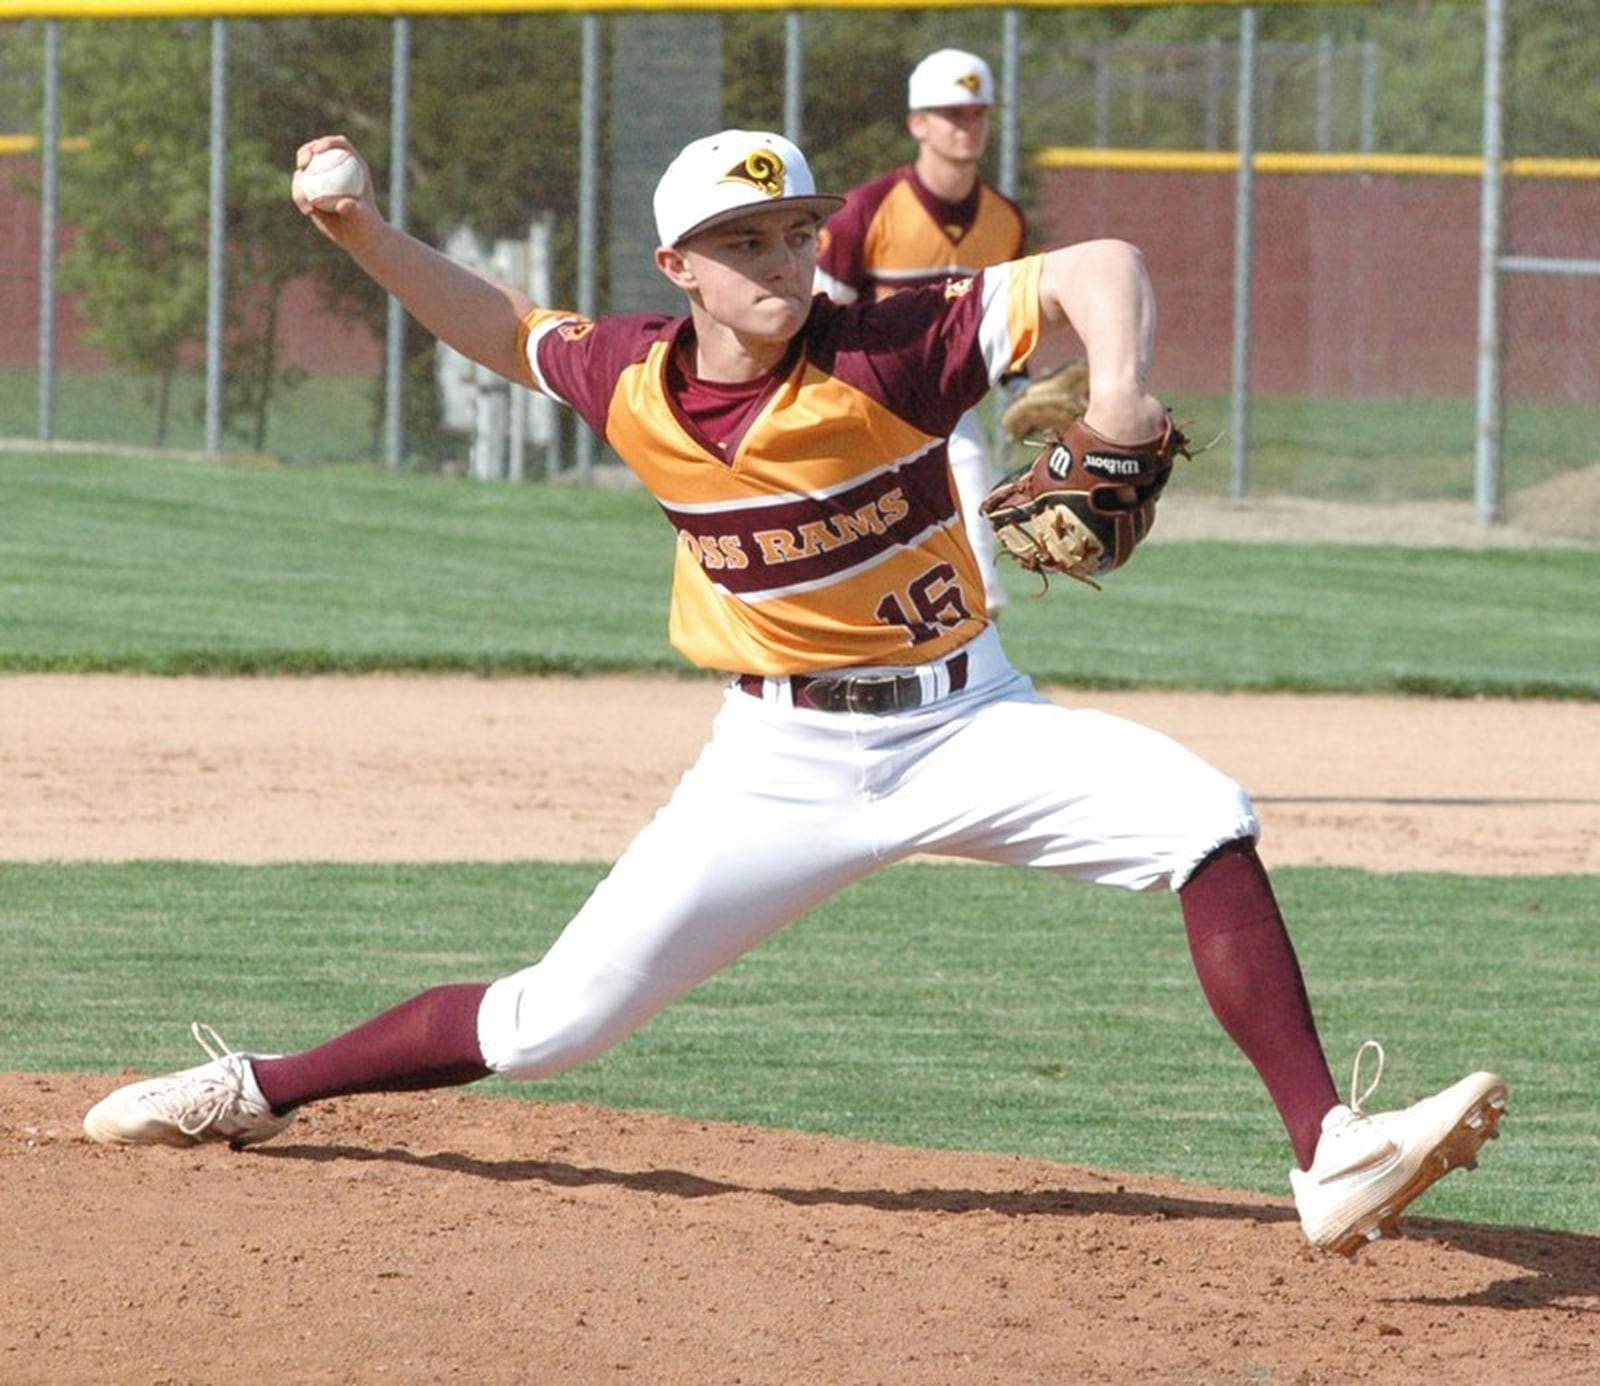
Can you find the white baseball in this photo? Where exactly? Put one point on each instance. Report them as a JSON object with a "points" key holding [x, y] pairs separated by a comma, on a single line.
{"points": [[331, 175]]}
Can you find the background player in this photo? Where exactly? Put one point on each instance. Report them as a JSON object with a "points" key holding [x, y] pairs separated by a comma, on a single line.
{"points": [[928, 222], [871, 714]]}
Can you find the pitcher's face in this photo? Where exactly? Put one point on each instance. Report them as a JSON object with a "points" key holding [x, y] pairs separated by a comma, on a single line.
{"points": [[754, 275]]}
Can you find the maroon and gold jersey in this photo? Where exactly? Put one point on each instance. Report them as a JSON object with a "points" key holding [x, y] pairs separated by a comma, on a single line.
{"points": [[827, 533], [893, 232]]}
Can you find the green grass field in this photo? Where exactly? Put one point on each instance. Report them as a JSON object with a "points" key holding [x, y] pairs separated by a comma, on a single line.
{"points": [[171, 566], [1331, 449], [316, 419], [971, 1008], [931, 1005]]}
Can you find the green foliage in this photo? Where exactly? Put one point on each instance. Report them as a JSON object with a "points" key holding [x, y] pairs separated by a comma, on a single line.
{"points": [[1552, 82], [1428, 61], [1438, 107], [139, 186], [493, 139], [857, 64], [139, 193], [138, 189], [896, 1012]]}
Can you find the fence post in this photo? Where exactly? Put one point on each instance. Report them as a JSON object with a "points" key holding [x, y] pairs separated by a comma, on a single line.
{"points": [[1369, 96], [1011, 61], [217, 235], [794, 76], [395, 338], [1243, 251], [1486, 455], [50, 148], [588, 218]]}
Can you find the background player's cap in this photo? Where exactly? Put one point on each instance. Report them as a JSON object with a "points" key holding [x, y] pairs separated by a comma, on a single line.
{"points": [[717, 178], [949, 78]]}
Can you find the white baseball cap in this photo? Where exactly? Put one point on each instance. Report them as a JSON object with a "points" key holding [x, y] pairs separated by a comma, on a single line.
{"points": [[949, 78], [720, 176]]}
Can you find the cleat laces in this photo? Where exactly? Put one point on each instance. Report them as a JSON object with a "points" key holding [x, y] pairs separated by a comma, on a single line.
{"points": [[216, 1095], [1358, 1094]]}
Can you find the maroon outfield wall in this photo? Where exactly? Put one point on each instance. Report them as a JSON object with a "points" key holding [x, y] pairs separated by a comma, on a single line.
{"points": [[309, 339], [1365, 285]]}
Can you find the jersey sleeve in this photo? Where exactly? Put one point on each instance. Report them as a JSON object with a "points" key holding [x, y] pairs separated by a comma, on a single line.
{"points": [[1010, 324], [933, 353], [578, 361]]}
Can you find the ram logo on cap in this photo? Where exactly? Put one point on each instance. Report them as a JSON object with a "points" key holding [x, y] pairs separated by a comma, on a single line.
{"points": [[762, 169], [730, 174]]}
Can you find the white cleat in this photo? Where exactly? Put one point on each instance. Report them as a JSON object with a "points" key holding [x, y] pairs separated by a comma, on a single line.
{"points": [[216, 1101], [1367, 1169]]}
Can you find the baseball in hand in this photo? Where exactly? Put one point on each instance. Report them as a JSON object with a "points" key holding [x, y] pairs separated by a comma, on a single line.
{"points": [[331, 175]]}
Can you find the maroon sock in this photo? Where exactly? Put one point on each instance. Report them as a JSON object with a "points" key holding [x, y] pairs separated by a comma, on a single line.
{"points": [[430, 1041], [1249, 973]]}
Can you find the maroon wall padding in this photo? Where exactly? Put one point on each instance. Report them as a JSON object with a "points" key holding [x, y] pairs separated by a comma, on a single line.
{"points": [[1365, 285], [308, 338]]}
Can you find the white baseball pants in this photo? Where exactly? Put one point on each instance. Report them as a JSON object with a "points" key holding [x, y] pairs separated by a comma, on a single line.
{"points": [[785, 807]]}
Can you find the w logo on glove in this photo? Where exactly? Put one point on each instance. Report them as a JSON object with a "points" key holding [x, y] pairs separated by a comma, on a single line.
{"points": [[1059, 462], [1084, 503]]}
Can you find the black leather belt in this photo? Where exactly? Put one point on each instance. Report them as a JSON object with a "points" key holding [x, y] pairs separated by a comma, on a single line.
{"points": [[872, 694]]}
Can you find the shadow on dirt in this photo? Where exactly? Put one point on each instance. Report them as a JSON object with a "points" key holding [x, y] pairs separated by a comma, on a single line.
{"points": [[1561, 1268]]}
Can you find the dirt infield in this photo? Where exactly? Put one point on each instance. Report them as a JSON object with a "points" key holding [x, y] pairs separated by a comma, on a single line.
{"points": [[454, 1237], [463, 769]]}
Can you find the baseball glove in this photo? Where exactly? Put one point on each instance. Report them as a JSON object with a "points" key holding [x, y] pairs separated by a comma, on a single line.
{"points": [[1084, 503], [1050, 404]]}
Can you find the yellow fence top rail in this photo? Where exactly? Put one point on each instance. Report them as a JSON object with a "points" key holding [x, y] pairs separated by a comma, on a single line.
{"points": [[1227, 160], [1195, 161], [256, 9]]}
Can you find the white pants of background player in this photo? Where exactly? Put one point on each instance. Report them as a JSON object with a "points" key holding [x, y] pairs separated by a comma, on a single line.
{"points": [[785, 807], [974, 475]]}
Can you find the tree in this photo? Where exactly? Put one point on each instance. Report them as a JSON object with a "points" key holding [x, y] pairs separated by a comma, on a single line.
{"points": [[137, 192], [290, 80], [494, 135]]}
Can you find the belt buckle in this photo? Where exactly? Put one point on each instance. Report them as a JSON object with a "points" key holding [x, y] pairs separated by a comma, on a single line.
{"points": [[878, 693], [864, 694]]}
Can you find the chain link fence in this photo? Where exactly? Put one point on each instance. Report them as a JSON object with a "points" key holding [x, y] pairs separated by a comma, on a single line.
{"points": [[1319, 231]]}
